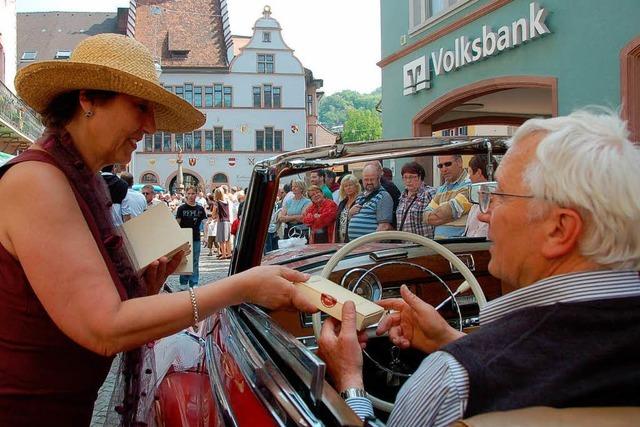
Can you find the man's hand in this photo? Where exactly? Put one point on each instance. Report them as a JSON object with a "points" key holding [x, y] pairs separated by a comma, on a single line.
{"points": [[340, 347], [354, 210], [157, 272], [415, 323]]}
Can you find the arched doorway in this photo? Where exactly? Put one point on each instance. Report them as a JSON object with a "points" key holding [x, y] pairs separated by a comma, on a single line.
{"points": [[503, 100], [189, 181], [219, 179]]}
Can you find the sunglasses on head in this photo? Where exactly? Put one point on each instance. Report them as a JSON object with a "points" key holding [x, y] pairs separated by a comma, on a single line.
{"points": [[445, 164]]}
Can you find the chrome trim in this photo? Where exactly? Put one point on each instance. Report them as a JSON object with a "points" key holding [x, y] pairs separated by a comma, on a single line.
{"points": [[215, 381], [467, 259]]}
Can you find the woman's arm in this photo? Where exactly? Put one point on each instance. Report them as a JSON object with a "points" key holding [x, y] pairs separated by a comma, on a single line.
{"points": [[70, 278]]}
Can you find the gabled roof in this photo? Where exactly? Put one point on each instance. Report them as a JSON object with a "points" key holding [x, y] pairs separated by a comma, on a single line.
{"points": [[49, 32], [182, 34]]}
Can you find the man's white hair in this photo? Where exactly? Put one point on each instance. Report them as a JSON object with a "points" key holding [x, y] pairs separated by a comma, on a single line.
{"points": [[586, 161]]}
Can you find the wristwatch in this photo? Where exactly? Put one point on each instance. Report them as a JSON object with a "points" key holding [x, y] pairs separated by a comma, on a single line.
{"points": [[353, 392]]}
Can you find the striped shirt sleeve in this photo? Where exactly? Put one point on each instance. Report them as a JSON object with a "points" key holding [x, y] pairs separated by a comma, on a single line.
{"points": [[361, 406], [436, 395]]}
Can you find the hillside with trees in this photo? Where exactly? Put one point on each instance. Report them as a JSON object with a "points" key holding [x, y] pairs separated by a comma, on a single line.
{"points": [[355, 111]]}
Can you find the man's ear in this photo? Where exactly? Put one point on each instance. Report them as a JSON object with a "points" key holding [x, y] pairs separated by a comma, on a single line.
{"points": [[563, 228]]}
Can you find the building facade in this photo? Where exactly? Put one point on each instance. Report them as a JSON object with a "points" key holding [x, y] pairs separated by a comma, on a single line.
{"points": [[448, 64], [254, 95]]}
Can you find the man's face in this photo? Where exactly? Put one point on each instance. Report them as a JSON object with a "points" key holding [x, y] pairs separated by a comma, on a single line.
{"points": [[315, 179], [370, 179], [450, 168], [191, 197], [148, 194], [517, 240], [476, 176]]}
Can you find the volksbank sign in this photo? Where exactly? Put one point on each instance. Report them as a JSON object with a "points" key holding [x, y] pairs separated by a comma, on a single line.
{"points": [[417, 73]]}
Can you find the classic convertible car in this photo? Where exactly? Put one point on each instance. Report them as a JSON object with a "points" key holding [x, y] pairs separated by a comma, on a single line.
{"points": [[259, 369]]}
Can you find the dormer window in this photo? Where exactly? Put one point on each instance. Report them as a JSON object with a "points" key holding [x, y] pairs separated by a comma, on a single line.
{"points": [[266, 37], [265, 63], [29, 55], [63, 54]]}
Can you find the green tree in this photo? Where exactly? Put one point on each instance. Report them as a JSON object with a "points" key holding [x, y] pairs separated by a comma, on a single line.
{"points": [[332, 110], [362, 125]]}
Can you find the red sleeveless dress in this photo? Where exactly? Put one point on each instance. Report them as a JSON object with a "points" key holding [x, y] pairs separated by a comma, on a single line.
{"points": [[46, 379]]}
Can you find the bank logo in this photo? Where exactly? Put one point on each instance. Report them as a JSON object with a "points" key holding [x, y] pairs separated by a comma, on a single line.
{"points": [[416, 76]]}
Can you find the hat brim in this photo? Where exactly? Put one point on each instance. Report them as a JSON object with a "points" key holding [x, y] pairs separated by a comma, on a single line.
{"points": [[38, 83]]}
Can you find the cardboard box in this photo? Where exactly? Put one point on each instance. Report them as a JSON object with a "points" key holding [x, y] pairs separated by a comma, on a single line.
{"points": [[155, 234], [329, 298]]}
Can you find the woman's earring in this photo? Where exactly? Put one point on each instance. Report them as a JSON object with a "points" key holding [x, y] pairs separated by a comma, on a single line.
{"points": [[88, 114]]}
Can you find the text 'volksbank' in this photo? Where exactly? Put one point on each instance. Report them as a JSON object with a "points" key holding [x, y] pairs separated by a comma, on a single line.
{"points": [[466, 51]]}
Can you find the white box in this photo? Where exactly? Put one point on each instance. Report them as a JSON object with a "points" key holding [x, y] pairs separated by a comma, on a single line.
{"points": [[329, 298]]}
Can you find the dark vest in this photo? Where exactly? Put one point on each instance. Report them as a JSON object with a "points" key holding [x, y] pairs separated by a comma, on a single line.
{"points": [[562, 355]]}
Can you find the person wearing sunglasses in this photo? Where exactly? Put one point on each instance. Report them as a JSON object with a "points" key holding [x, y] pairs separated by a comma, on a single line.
{"points": [[449, 207], [149, 195]]}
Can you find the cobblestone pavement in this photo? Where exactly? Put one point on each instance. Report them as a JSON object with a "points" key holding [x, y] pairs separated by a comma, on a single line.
{"points": [[211, 269]]}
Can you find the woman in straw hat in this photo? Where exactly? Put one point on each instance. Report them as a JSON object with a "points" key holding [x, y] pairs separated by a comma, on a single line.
{"points": [[69, 298]]}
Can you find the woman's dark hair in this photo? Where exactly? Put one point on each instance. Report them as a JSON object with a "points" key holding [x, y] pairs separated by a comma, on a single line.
{"points": [[414, 168], [63, 107], [479, 161]]}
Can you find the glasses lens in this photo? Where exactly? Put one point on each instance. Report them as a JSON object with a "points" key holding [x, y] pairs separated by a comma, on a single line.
{"points": [[485, 195]]}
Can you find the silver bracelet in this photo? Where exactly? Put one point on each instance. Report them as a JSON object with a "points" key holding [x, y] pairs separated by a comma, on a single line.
{"points": [[194, 305]]}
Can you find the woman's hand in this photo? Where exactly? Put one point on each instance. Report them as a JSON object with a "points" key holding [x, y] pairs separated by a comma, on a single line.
{"points": [[273, 287], [157, 272], [415, 323]]}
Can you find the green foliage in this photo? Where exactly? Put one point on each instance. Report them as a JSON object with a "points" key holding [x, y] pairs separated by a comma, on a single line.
{"points": [[332, 110], [362, 125]]}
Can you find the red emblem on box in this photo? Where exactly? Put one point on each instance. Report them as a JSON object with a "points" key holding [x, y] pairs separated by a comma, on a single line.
{"points": [[327, 300]]}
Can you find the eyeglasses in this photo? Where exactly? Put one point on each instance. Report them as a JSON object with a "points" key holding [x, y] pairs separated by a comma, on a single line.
{"points": [[445, 164], [146, 193], [408, 177], [482, 194]]}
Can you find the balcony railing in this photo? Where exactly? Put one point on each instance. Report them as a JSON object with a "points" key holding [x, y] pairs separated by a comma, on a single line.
{"points": [[18, 123]]}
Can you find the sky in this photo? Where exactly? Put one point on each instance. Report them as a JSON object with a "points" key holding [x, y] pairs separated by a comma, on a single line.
{"points": [[326, 37]]}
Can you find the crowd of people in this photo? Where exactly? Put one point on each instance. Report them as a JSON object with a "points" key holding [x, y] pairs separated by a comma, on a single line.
{"points": [[332, 210]]}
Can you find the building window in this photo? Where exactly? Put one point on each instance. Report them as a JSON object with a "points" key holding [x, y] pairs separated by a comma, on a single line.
{"points": [[462, 131], [227, 97], [269, 139], [309, 105], [63, 54], [166, 142], [208, 97], [265, 63], [208, 140], [188, 93], [422, 12], [257, 97], [309, 140], [268, 97], [266, 37], [148, 142], [197, 96], [157, 141], [217, 96], [29, 55], [149, 178], [180, 91], [179, 141], [219, 178], [276, 97], [227, 135], [197, 140], [217, 138], [188, 141]]}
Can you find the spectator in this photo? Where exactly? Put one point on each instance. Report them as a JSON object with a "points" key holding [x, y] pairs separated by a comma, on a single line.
{"points": [[223, 232], [414, 201], [274, 233], [317, 177], [291, 212], [134, 203], [373, 210], [320, 216], [478, 166], [211, 230], [389, 187], [190, 215], [117, 191], [349, 190], [330, 180], [450, 205], [149, 195], [288, 194]]}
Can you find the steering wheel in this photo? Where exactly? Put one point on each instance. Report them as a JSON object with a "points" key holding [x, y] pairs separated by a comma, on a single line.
{"points": [[404, 236]]}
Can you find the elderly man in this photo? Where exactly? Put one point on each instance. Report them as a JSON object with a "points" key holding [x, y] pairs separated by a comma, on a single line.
{"points": [[449, 207], [565, 225], [373, 209]]}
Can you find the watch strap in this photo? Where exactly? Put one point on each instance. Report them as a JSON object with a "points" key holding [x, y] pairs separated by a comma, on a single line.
{"points": [[353, 392]]}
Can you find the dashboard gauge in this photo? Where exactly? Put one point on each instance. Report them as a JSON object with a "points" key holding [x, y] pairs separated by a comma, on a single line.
{"points": [[367, 285]]}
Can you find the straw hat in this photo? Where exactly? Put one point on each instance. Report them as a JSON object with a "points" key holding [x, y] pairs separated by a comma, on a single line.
{"points": [[109, 62]]}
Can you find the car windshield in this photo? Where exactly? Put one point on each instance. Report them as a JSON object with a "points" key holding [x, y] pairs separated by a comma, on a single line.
{"points": [[319, 210]]}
